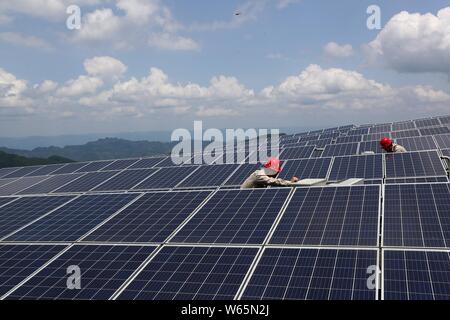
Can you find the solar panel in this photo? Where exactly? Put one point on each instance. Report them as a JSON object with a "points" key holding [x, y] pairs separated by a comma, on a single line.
{"points": [[19, 213], [381, 128], [443, 140], [50, 184], [6, 181], [446, 152], [376, 136], [373, 146], [103, 270], [330, 135], [45, 170], [86, 182], [120, 164], [19, 185], [125, 180], [445, 120], [6, 171], [152, 218], [367, 167], [147, 163], [73, 220], [416, 275], [349, 139], [4, 201], [312, 274], [17, 262], [21, 172], [306, 168], [417, 180], [397, 126], [413, 164], [293, 145], [167, 162], [309, 138], [417, 215], [95, 166], [241, 174], [405, 134], [331, 216], [421, 123], [418, 143], [234, 216], [296, 153], [433, 131], [358, 131], [343, 149], [206, 176], [192, 273], [70, 168], [166, 178], [320, 143]]}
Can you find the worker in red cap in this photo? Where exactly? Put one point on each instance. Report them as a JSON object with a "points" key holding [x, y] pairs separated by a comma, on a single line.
{"points": [[389, 146], [266, 176]]}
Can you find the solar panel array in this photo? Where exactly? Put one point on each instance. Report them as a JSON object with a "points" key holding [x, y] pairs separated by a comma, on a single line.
{"points": [[151, 229]]}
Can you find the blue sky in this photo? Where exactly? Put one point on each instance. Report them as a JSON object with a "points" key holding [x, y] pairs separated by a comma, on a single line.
{"points": [[278, 64]]}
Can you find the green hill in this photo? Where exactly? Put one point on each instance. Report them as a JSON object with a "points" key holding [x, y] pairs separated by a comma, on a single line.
{"points": [[13, 160]]}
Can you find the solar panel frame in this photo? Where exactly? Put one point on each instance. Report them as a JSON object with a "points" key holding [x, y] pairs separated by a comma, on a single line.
{"points": [[342, 149], [417, 180], [413, 164], [360, 166]]}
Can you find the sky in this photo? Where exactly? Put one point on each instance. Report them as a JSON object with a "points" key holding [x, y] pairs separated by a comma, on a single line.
{"points": [[144, 65]]}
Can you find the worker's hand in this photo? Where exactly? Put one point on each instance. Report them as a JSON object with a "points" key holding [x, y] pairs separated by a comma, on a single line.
{"points": [[294, 179]]}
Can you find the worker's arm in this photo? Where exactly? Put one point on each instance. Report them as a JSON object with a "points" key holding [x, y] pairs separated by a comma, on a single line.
{"points": [[266, 180], [399, 149]]}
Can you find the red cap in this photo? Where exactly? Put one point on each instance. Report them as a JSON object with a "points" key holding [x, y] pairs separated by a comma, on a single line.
{"points": [[386, 142], [274, 164]]}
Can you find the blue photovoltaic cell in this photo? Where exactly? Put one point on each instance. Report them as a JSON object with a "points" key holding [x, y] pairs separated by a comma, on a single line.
{"points": [[152, 218], [125, 180], [120, 164], [70, 168], [17, 262], [296, 153], [46, 170], [413, 164], [147, 163], [331, 216], [373, 146], [166, 178], [312, 274], [234, 216], [192, 273], [381, 128], [343, 149], [367, 167], [417, 180], [421, 123], [51, 183], [86, 182], [320, 143], [434, 131], [103, 270], [73, 220], [348, 139], [398, 126], [25, 210], [241, 174], [417, 143], [417, 215], [416, 275], [19, 185], [210, 175], [6, 171], [443, 140], [306, 168], [95, 166], [21, 172], [405, 134]]}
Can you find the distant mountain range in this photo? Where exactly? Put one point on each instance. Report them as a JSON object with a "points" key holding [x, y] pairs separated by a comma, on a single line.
{"points": [[14, 160], [108, 148]]}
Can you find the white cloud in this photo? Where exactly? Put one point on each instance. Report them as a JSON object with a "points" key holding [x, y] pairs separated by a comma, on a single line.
{"points": [[46, 86], [5, 19], [332, 49], [99, 25], [285, 3], [80, 86], [19, 39], [174, 42], [414, 42], [12, 91], [105, 67]]}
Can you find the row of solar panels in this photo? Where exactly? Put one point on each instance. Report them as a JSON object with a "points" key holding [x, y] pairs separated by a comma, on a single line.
{"points": [[395, 168], [206, 232]]}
